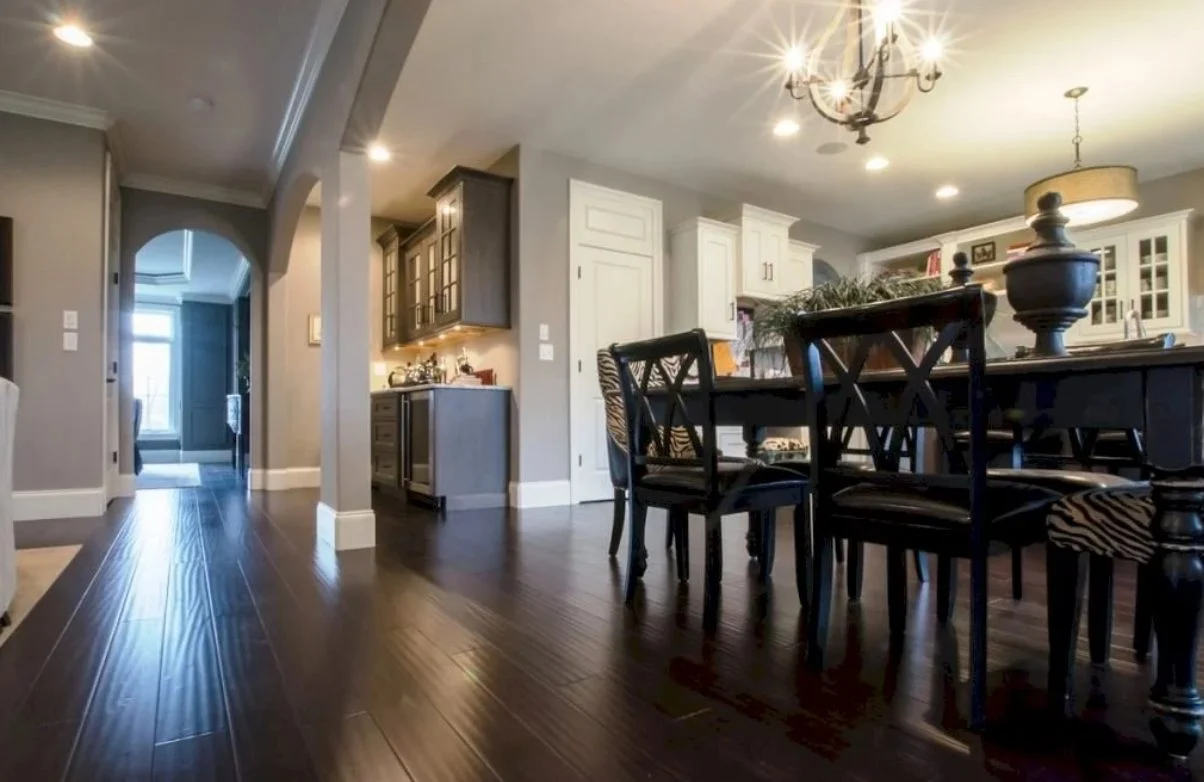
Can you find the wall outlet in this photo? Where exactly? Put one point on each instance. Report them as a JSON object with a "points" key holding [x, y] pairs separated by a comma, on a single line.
{"points": [[70, 340], [545, 351], [70, 320], [544, 332]]}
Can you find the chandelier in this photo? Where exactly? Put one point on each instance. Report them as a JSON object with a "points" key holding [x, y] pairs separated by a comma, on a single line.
{"points": [[873, 76], [1090, 194]]}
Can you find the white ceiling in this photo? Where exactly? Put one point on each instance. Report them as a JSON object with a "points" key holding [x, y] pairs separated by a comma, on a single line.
{"points": [[151, 58], [687, 93], [216, 269]]}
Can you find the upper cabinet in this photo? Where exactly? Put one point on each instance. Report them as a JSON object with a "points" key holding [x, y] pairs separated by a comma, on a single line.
{"points": [[702, 277], [1143, 267], [453, 271], [768, 266]]}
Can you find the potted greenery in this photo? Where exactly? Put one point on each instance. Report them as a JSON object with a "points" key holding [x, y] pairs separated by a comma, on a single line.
{"points": [[773, 322]]}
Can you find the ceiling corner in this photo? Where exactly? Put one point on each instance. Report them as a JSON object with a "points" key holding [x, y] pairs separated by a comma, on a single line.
{"points": [[194, 190], [54, 110]]}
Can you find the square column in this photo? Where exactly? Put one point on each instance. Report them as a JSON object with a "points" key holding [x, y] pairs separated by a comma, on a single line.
{"points": [[344, 516]]}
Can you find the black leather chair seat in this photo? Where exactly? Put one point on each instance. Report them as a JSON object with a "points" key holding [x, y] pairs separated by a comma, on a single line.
{"points": [[732, 473]]}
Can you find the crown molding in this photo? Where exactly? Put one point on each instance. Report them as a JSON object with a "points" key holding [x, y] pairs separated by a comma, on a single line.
{"points": [[204, 192], [206, 298], [330, 12], [53, 110]]}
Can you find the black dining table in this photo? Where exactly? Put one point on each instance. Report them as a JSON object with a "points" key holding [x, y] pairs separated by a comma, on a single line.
{"points": [[1158, 392]]}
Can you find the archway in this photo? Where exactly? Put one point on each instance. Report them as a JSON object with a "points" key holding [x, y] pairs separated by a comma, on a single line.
{"points": [[190, 354]]}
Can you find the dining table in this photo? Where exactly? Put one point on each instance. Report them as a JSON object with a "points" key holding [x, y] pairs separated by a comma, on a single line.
{"points": [[1159, 393]]}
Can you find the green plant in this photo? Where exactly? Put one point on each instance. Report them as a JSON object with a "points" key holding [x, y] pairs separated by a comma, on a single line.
{"points": [[774, 320]]}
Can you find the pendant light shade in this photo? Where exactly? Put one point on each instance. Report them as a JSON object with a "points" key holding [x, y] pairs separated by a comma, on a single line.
{"points": [[1089, 195]]}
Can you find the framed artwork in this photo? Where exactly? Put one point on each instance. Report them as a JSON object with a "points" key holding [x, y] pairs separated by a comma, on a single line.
{"points": [[315, 329], [982, 253]]}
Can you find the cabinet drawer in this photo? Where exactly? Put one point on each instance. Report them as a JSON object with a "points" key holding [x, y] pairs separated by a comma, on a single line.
{"points": [[384, 469], [384, 434], [385, 405]]}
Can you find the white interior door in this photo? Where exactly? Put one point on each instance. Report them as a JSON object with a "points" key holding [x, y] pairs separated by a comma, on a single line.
{"points": [[112, 330], [616, 248]]}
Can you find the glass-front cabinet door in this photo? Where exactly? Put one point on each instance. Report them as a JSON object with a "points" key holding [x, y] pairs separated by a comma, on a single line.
{"points": [[412, 275], [1106, 310], [391, 333], [449, 218], [1156, 287], [430, 273]]}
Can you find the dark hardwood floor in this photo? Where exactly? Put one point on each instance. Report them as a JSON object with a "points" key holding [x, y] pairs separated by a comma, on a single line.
{"points": [[202, 636]]}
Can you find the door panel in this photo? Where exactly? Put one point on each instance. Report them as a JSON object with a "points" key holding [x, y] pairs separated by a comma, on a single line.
{"points": [[615, 243], [716, 268]]}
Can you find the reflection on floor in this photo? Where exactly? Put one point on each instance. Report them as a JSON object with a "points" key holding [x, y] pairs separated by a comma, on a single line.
{"points": [[37, 569], [201, 634], [168, 476]]}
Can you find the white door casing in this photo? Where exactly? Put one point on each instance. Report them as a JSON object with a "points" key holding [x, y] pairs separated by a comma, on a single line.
{"points": [[616, 256]]}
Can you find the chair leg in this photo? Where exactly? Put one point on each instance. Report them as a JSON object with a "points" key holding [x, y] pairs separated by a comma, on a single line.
{"points": [[769, 531], [679, 527], [1064, 578], [978, 639], [803, 555], [714, 571], [854, 575], [637, 558], [820, 609], [1099, 608], [669, 531], [896, 591], [616, 526], [1017, 573], [1143, 617], [946, 587], [838, 547], [921, 560]]}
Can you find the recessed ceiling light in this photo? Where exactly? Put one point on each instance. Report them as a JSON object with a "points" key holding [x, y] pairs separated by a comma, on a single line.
{"points": [[785, 127], [379, 153], [876, 163], [73, 35], [945, 192]]}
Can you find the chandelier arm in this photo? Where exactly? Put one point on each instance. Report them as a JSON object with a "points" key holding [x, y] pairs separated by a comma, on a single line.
{"points": [[824, 111], [897, 109]]}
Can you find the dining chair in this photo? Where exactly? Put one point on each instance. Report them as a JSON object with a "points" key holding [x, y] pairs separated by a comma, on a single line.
{"points": [[653, 375], [960, 513]]}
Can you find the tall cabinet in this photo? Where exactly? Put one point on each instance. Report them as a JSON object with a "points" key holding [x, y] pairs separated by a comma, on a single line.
{"points": [[702, 278]]}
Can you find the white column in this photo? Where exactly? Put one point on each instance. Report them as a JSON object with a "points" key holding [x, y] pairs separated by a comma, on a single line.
{"points": [[344, 516]]}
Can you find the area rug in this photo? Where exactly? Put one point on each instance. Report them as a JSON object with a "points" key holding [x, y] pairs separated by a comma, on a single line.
{"points": [[37, 569], [168, 476]]}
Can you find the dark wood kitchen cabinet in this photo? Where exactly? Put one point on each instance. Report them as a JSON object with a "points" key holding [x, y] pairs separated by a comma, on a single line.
{"points": [[392, 331], [417, 259]]}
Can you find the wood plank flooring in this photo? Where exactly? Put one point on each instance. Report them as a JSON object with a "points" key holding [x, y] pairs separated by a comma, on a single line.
{"points": [[201, 635]]}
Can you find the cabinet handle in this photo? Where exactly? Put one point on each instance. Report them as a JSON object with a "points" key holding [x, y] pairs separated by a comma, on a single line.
{"points": [[764, 271], [771, 272], [732, 316]]}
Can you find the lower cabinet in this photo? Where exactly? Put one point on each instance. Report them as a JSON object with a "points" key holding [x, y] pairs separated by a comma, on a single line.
{"points": [[446, 444]]}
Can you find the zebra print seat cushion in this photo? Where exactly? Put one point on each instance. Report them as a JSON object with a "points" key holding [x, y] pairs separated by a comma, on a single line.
{"points": [[680, 445], [1113, 522]]}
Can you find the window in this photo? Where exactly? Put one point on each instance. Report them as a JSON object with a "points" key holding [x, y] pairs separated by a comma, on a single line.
{"points": [[155, 374]]}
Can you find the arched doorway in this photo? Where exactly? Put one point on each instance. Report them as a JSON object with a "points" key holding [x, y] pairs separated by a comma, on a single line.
{"points": [[189, 359]]}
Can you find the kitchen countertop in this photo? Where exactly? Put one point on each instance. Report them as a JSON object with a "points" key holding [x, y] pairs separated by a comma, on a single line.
{"points": [[429, 386]]}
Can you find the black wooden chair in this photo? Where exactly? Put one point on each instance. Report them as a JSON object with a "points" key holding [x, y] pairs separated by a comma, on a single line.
{"points": [[966, 512], [653, 374]]}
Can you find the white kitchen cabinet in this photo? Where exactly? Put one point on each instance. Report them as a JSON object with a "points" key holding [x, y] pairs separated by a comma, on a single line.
{"points": [[797, 272], [702, 278], [764, 253], [1143, 266]]}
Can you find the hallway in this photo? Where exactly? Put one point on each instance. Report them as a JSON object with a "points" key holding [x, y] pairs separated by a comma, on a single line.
{"points": [[199, 636]]}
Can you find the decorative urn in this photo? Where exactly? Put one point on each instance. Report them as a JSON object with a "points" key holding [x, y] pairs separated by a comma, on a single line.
{"points": [[1050, 285]]}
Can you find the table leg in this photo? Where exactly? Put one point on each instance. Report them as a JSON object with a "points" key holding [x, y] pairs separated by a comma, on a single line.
{"points": [[753, 437], [1178, 585]]}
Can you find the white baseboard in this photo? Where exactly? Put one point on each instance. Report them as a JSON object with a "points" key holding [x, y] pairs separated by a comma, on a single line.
{"points": [[124, 485], [540, 494], [161, 456], [206, 457], [59, 504], [347, 529], [286, 478]]}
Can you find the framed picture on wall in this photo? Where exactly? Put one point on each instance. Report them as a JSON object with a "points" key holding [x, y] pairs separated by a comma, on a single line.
{"points": [[315, 329], [982, 253]]}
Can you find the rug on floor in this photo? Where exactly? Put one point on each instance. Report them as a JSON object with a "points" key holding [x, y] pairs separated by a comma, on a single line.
{"points": [[169, 476], [37, 569]]}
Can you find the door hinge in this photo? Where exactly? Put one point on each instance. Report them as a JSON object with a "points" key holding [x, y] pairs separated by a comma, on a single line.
{"points": [[579, 460], [114, 367], [578, 272], [578, 365], [116, 277], [114, 457]]}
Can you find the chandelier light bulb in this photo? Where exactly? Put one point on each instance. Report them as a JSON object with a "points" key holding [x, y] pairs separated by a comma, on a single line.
{"points": [[839, 90], [794, 59], [889, 11], [932, 50]]}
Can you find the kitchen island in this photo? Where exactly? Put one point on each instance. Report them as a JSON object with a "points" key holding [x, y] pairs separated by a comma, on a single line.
{"points": [[441, 443]]}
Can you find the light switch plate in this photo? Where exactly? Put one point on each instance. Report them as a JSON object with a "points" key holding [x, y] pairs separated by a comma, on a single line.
{"points": [[70, 341], [70, 320], [544, 332], [545, 351]]}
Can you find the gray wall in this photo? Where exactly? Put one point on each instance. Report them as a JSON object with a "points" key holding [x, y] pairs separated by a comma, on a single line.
{"points": [[52, 185], [205, 348], [543, 286]]}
